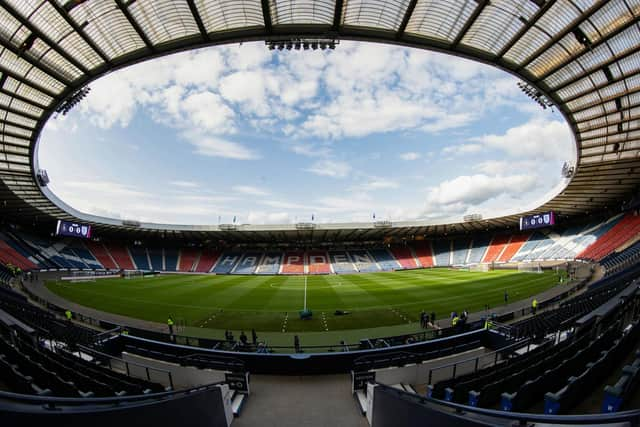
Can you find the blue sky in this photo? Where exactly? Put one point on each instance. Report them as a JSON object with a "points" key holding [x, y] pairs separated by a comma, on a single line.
{"points": [[276, 136]]}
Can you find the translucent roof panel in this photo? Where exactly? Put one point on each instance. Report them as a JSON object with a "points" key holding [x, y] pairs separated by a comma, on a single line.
{"points": [[220, 15], [32, 74], [556, 19], [439, 20], [49, 58], [44, 17], [498, 22], [380, 14], [301, 11], [105, 23], [165, 20], [26, 91]]}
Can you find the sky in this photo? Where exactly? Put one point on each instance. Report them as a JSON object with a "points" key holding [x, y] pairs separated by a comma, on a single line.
{"points": [[275, 137]]}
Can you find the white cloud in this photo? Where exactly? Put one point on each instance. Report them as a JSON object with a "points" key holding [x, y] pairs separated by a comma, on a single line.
{"points": [[250, 190], [463, 149], [332, 168], [538, 138], [409, 156], [216, 147], [185, 184]]}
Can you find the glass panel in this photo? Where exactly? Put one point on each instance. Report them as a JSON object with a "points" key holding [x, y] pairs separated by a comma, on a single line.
{"points": [[105, 23], [164, 20], [220, 15], [301, 11], [380, 14], [440, 20], [499, 21]]}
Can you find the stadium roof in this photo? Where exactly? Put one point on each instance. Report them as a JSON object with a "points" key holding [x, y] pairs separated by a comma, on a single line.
{"points": [[582, 55]]}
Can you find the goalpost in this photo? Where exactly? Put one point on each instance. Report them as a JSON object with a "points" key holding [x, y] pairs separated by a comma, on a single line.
{"points": [[529, 267], [480, 267], [133, 274], [82, 276]]}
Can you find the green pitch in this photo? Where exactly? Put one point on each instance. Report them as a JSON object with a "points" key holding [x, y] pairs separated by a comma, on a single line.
{"points": [[272, 303]]}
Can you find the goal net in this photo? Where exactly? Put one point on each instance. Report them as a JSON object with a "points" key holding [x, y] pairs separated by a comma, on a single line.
{"points": [[529, 267], [480, 267], [133, 274], [82, 276]]}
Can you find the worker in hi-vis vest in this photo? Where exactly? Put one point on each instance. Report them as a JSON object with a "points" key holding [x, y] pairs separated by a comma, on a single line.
{"points": [[170, 325], [534, 306], [68, 315]]}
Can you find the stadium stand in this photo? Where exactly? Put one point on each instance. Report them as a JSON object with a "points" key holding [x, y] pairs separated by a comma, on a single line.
{"points": [[140, 258], [384, 259], [497, 246], [294, 263], [248, 263], [86, 256], [512, 247], [617, 395], [208, 258], [270, 263], [618, 261], [620, 233], [156, 258], [318, 262], [530, 246], [188, 259], [227, 262], [120, 255], [404, 256], [8, 255], [102, 255], [424, 254], [442, 252], [460, 251], [170, 259], [363, 261], [479, 246], [341, 262], [72, 258]]}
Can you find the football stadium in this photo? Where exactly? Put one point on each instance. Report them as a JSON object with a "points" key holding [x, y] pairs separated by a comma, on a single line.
{"points": [[156, 270]]}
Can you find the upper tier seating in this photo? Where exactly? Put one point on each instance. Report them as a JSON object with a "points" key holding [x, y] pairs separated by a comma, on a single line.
{"points": [[170, 259], [248, 263], [227, 262], [479, 247], [530, 246], [101, 254], [384, 259], [121, 256], [617, 261], [293, 263], [318, 262], [140, 258], [460, 251], [424, 253], [624, 230], [208, 258], [363, 261], [341, 262], [404, 256], [442, 251], [188, 258], [86, 256], [270, 263]]}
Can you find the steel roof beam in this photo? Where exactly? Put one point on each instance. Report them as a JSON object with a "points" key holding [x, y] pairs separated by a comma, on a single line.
{"points": [[35, 63], [266, 15], [134, 24], [472, 19], [337, 15], [405, 20], [42, 36], [593, 45], [572, 26], [196, 17], [530, 23]]}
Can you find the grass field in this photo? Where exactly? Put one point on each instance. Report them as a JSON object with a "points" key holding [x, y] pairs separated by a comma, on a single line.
{"points": [[272, 303]]}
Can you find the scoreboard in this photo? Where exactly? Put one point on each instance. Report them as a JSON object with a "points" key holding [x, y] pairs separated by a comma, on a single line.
{"points": [[545, 219], [73, 229]]}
